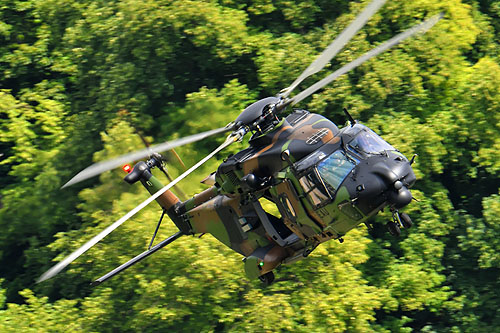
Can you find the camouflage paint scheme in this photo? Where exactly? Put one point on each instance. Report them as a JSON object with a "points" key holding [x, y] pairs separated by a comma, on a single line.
{"points": [[278, 166]]}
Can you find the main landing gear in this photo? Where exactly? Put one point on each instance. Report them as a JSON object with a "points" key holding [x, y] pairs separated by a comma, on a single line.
{"points": [[398, 221], [267, 278]]}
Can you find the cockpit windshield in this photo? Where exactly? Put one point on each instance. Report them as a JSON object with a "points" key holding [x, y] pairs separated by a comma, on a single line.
{"points": [[322, 182], [369, 142]]}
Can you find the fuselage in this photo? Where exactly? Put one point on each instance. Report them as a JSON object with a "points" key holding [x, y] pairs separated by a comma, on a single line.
{"points": [[322, 180]]}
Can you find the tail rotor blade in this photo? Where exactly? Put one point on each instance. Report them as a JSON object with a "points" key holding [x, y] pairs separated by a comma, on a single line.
{"points": [[423, 27], [101, 167], [66, 261], [339, 42]]}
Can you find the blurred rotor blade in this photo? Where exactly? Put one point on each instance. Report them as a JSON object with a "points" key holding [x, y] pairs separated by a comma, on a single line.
{"points": [[178, 191], [66, 261], [100, 167], [423, 27], [148, 145], [179, 159], [336, 45]]}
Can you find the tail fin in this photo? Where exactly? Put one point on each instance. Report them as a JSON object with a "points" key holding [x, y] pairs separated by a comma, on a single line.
{"points": [[168, 200]]}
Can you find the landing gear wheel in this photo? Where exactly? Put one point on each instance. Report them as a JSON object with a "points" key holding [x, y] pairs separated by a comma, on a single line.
{"points": [[405, 220], [393, 229], [267, 278]]}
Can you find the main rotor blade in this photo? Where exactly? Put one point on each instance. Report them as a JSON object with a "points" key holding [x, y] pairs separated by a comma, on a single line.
{"points": [[336, 45], [100, 167], [66, 261], [423, 27]]}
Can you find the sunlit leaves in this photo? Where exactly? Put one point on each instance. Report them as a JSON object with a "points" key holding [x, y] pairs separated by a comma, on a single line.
{"points": [[484, 234], [85, 76], [39, 315]]}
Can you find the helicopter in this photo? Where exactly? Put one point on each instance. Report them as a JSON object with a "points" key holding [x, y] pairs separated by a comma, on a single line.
{"points": [[323, 180]]}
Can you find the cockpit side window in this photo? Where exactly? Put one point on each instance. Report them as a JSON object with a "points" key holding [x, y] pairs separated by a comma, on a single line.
{"points": [[322, 182], [334, 169]]}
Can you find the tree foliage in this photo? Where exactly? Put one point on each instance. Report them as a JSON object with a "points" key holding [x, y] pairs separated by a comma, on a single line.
{"points": [[80, 79]]}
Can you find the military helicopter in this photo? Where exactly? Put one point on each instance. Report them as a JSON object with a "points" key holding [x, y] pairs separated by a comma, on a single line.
{"points": [[324, 180]]}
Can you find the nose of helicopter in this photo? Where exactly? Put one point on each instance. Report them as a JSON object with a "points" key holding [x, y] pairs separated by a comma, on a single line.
{"points": [[400, 196], [383, 179], [397, 175]]}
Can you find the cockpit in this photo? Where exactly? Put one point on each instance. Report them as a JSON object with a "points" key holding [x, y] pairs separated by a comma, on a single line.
{"points": [[321, 173]]}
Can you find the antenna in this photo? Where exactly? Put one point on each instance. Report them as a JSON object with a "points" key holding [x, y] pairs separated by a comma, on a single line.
{"points": [[348, 115]]}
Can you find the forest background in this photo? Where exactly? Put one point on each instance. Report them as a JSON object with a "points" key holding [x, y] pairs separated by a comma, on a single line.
{"points": [[79, 79]]}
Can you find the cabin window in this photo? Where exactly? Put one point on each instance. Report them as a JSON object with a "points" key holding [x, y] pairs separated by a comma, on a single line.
{"points": [[315, 190]]}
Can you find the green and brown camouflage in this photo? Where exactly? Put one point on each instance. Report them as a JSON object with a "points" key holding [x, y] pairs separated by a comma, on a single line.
{"points": [[323, 181]]}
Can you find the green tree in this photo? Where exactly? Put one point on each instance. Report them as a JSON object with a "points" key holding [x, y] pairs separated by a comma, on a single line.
{"points": [[81, 78]]}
